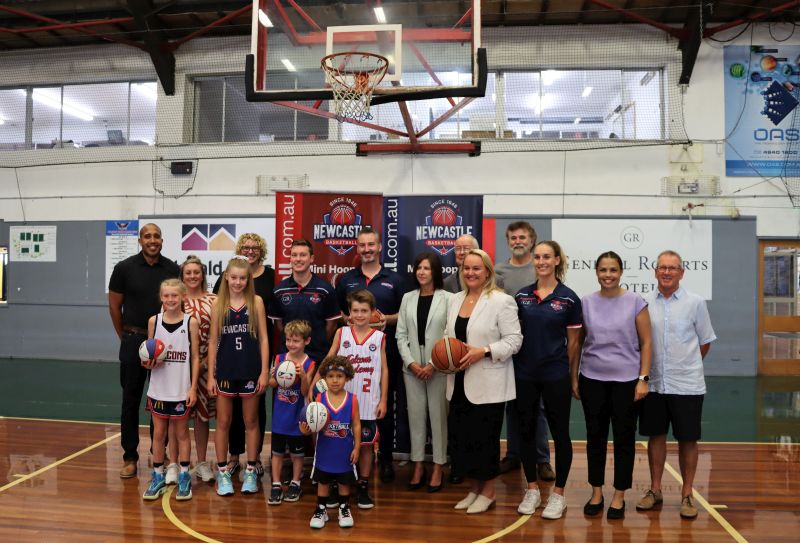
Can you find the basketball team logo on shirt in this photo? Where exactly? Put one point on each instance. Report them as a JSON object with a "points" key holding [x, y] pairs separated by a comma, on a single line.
{"points": [[443, 225], [558, 305], [336, 429], [286, 299], [373, 347], [251, 385], [340, 226], [346, 344], [314, 298]]}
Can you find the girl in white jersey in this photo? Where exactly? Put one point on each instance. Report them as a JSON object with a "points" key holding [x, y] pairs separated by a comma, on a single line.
{"points": [[173, 386]]}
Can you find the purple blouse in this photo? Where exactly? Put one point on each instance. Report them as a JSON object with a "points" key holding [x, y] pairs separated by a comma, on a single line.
{"points": [[611, 349]]}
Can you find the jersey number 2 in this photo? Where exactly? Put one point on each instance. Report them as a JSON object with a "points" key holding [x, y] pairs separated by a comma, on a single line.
{"points": [[367, 385]]}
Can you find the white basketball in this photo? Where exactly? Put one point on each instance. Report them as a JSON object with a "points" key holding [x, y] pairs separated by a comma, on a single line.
{"points": [[321, 386], [286, 374], [316, 416]]}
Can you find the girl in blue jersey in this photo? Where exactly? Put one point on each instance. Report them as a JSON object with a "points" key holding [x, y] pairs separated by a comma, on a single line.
{"points": [[338, 443], [238, 365], [288, 406]]}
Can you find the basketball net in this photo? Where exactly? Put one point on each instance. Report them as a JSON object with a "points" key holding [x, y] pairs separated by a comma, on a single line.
{"points": [[353, 77]]}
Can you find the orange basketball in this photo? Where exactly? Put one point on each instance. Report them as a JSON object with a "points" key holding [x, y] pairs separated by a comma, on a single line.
{"points": [[376, 319], [446, 354]]}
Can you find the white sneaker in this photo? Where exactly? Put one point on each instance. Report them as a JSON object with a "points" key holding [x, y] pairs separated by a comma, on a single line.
{"points": [[173, 470], [466, 502], [319, 519], [556, 505], [530, 502], [203, 472]]}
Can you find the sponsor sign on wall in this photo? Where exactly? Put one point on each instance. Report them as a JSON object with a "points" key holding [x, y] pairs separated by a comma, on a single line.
{"points": [[638, 242], [416, 224], [761, 99], [211, 239], [122, 241], [331, 222]]}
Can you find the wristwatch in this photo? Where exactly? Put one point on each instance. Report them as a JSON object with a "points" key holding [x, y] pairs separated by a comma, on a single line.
{"points": [[487, 352], [644, 378]]}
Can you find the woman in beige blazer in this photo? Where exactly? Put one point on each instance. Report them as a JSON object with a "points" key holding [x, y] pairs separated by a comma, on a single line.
{"points": [[486, 319], [424, 386]]}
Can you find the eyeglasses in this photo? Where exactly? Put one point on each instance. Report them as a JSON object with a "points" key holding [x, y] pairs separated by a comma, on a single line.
{"points": [[247, 249], [670, 269], [463, 249]]}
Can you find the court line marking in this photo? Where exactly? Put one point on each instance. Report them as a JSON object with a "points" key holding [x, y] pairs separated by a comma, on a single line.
{"points": [[505, 531], [165, 505], [58, 462], [712, 511], [61, 420]]}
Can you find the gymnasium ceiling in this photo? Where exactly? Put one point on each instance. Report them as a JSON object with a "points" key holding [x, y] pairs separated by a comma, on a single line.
{"points": [[161, 26]]}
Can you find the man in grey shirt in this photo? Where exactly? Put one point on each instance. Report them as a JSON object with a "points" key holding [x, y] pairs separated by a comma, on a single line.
{"points": [[515, 274]]}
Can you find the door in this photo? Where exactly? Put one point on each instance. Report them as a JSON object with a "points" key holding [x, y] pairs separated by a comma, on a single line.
{"points": [[779, 317]]}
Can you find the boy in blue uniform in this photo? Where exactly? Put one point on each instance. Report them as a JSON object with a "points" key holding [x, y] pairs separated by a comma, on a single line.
{"points": [[287, 408], [338, 443]]}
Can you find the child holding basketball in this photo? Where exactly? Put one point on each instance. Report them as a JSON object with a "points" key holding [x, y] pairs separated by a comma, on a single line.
{"points": [[338, 443], [287, 408], [173, 386], [365, 348], [238, 365]]}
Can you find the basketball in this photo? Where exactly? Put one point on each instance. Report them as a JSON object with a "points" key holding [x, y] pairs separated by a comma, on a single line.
{"points": [[321, 386], [446, 353], [286, 374], [376, 319], [152, 350], [316, 416]]}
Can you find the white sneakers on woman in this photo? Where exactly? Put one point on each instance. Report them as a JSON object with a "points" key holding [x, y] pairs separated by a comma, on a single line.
{"points": [[530, 502], [556, 505]]}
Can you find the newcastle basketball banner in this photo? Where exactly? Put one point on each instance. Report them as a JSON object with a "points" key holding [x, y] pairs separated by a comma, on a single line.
{"points": [[330, 221], [414, 224]]}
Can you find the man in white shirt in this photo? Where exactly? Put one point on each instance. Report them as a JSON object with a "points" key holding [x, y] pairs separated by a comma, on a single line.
{"points": [[682, 336]]}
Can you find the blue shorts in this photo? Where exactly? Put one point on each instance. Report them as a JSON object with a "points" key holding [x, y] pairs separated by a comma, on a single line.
{"points": [[168, 410], [236, 387], [369, 432]]}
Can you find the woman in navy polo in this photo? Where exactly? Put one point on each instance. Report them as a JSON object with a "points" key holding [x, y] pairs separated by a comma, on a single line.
{"points": [[551, 320]]}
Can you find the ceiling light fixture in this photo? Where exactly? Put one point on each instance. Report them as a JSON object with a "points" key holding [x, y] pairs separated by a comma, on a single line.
{"points": [[380, 15], [586, 91], [288, 64], [49, 101], [263, 19]]}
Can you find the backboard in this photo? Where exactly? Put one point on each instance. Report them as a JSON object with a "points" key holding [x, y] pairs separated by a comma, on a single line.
{"points": [[433, 48]]}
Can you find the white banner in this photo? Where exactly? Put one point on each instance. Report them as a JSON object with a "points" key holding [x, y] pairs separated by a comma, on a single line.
{"points": [[211, 239], [638, 242], [122, 241]]}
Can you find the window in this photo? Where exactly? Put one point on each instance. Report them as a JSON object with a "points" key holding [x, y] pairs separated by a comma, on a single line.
{"points": [[91, 115]]}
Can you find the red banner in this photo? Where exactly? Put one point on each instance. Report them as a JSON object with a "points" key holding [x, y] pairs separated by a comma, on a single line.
{"points": [[331, 222]]}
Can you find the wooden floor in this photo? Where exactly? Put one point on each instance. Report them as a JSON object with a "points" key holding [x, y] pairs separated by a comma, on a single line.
{"points": [[59, 482]]}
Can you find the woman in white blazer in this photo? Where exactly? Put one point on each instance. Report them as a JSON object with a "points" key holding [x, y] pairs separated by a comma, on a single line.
{"points": [[420, 324], [486, 319]]}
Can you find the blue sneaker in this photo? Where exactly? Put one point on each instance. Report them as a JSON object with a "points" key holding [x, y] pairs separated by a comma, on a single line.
{"points": [[156, 487], [224, 484], [184, 486], [250, 484]]}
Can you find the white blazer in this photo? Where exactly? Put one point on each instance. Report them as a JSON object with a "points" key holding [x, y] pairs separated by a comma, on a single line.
{"points": [[494, 323], [407, 327]]}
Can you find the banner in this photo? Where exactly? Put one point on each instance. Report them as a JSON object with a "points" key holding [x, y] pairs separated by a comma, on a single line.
{"points": [[211, 239], [331, 222], [122, 241], [638, 242], [415, 224], [762, 126]]}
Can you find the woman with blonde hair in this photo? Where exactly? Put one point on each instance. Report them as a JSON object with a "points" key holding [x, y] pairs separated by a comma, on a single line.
{"points": [[485, 318]]}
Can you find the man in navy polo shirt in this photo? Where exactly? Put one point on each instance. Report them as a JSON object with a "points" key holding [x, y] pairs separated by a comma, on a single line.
{"points": [[388, 287], [306, 296]]}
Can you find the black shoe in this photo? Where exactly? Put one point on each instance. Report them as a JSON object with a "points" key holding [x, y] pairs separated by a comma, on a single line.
{"points": [[419, 484], [615, 513], [509, 463], [455, 479], [437, 488], [593, 509], [333, 497], [387, 472], [364, 499]]}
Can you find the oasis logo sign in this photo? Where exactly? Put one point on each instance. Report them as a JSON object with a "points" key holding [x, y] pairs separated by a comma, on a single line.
{"points": [[340, 226], [208, 237], [443, 225]]}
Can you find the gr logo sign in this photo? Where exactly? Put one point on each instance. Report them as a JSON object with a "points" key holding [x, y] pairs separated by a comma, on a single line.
{"points": [[631, 237]]}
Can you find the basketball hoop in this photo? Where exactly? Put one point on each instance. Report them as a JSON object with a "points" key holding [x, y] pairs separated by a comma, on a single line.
{"points": [[352, 77]]}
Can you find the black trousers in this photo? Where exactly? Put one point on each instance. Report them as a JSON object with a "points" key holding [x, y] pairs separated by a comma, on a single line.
{"points": [[476, 443], [604, 402], [132, 378], [236, 434], [394, 430], [557, 403]]}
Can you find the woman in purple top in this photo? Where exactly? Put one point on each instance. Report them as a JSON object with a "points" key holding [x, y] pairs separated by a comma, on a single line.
{"points": [[614, 369]]}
